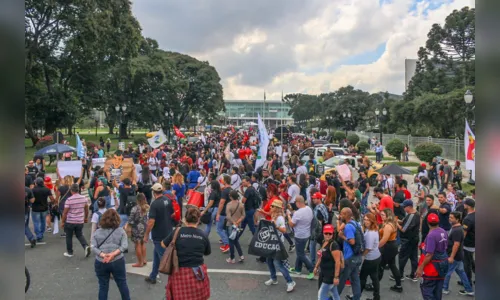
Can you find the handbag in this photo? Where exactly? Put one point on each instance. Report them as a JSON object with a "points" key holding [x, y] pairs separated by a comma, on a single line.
{"points": [[225, 220], [100, 244], [169, 262], [234, 229], [207, 217]]}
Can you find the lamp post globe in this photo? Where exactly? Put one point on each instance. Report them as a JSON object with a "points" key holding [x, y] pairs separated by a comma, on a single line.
{"points": [[468, 97]]}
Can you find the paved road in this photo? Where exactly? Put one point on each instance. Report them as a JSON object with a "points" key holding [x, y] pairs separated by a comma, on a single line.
{"points": [[54, 276]]}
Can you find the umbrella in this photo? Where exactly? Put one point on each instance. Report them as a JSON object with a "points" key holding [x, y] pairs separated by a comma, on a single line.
{"points": [[393, 169], [55, 149], [250, 124]]}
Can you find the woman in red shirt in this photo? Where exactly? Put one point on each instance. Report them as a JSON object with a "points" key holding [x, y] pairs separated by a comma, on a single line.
{"points": [[272, 194]]}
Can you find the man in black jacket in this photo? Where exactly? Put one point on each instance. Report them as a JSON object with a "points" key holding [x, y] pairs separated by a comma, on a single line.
{"points": [[409, 229]]}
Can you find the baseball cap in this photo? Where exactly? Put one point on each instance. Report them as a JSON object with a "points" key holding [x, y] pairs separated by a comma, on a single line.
{"points": [[470, 202], [317, 195], [407, 203], [423, 165], [328, 228], [433, 218], [47, 179], [157, 187]]}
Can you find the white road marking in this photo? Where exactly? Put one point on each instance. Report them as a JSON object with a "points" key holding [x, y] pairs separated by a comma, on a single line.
{"points": [[146, 270], [41, 243]]}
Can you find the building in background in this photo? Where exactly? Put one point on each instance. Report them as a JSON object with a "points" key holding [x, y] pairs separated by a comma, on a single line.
{"points": [[273, 112], [410, 67]]}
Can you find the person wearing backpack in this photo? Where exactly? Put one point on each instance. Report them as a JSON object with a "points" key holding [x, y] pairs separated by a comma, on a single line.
{"points": [[389, 248], [320, 219], [353, 247], [96, 217], [251, 200], [127, 199]]}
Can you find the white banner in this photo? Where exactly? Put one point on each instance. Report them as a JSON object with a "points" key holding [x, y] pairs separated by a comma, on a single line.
{"points": [[158, 139], [263, 144], [121, 146], [344, 172], [98, 162], [72, 168], [470, 150]]}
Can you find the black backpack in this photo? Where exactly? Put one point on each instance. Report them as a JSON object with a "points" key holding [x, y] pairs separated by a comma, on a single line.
{"points": [[359, 241], [316, 230], [131, 202], [261, 194]]}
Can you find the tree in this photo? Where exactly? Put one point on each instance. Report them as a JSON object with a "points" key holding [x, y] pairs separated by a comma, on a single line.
{"points": [[353, 138], [395, 147], [427, 151], [362, 146], [339, 136]]}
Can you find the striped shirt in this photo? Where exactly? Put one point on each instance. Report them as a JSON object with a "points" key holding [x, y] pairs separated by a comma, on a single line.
{"points": [[76, 213]]}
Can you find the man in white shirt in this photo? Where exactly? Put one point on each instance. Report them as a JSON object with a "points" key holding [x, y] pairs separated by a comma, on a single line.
{"points": [[235, 178], [293, 191], [301, 169], [389, 184]]}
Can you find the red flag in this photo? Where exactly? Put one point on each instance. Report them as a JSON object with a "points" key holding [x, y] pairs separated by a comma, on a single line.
{"points": [[178, 133]]}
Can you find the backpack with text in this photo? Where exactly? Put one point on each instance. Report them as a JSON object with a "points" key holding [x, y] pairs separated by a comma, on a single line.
{"points": [[359, 241]]}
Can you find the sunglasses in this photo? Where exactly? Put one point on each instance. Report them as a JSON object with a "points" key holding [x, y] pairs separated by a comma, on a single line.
{"points": [[273, 206], [327, 233]]}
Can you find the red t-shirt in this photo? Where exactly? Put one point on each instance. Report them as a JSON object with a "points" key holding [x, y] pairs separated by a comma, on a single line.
{"points": [[385, 202], [407, 194]]}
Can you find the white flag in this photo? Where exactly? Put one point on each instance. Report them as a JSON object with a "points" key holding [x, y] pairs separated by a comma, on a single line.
{"points": [[470, 149], [263, 144], [158, 139], [202, 138]]}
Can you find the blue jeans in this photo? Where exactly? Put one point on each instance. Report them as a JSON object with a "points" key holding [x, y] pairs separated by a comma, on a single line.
{"points": [[300, 246], [213, 212], [436, 178], [364, 203], [351, 272], [328, 291], [157, 254], [103, 271], [27, 230], [124, 220], [272, 264], [248, 220], [312, 251], [378, 156], [458, 267], [39, 223], [221, 231]]}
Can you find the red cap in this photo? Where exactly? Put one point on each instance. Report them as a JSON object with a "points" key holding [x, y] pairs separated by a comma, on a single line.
{"points": [[317, 195], [328, 228], [47, 179], [423, 165], [432, 218]]}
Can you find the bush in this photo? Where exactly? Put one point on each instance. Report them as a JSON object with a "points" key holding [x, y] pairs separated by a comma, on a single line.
{"points": [[427, 151], [323, 133], [362, 146], [140, 140], [308, 130], [339, 136], [44, 142], [395, 147], [353, 138], [91, 146]]}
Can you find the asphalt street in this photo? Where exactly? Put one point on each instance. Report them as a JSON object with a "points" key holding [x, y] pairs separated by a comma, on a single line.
{"points": [[54, 276]]}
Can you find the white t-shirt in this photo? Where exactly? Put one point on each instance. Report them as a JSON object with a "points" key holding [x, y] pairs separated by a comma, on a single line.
{"points": [[153, 178], [138, 169], [301, 170], [280, 223], [235, 181], [166, 172], [293, 191], [371, 242], [95, 216], [203, 180], [153, 162], [302, 219]]}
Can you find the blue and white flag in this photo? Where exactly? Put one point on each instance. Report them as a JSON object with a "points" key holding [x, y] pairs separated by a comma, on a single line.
{"points": [[263, 144], [80, 151], [158, 139]]}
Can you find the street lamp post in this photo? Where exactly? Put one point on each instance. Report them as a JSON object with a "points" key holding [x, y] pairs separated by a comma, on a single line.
{"points": [[120, 111], [377, 112], [469, 99], [347, 118]]}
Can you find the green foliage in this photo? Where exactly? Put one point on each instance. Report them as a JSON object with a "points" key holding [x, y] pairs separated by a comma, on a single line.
{"points": [[353, 138], [395, 147], [339, 136], [44, 142], [362, 146], [140, 140], [427, 151], [323, 133], [406, 163]]}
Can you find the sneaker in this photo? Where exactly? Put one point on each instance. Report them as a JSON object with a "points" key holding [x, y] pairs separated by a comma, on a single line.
{"points": [[460, 283], [465, 293], [293, 271], [310, 276], [271, 282], [87, 251], [63, 234], [347, 282], [290, 286], [446, 292], [224, 249], [369, 287], [411, 277], [242, 259], [149, 280], [33, 243], [49, 229], [230, 261], [40, 240], [291, 248], [67, 254], [396, 288], [394, 279]]}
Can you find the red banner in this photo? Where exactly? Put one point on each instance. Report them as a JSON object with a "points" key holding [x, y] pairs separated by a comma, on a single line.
{"points": [[178, 133]]}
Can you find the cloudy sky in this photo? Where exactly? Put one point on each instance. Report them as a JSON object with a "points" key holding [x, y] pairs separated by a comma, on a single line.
{"points": [[306, 46]]}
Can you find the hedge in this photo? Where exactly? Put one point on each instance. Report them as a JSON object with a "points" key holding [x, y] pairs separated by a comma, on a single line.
{"points": [[427, 151], [339, 136], [353, 138], [362, 146], [395, 147], [140, 140]]}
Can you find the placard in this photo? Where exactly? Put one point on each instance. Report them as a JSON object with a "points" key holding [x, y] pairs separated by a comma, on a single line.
{"points": [[98, 162], [71, 168], [121, 146], [344, 172]]}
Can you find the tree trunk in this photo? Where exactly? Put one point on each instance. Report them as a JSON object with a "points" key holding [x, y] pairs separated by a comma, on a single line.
{"points": [[123, 131], [70, 130], [31, 134], [111, 126]]}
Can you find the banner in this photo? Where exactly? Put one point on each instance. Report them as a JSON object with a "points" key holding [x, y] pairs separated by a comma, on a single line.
{"points": [[203, 139], [267, 243], [80, 152], [158, 139], [98, 162], [178, 133], [344, 172], [72, 168], [470, 149], [263, 144], [121, 146]]}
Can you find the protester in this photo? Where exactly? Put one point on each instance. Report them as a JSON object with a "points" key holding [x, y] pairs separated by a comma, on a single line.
{"points": [[28, 201], [444, 212], [213, 205], [469, 225], [329, 264], [251, 200], [137, 222], [221, 213], [389, 248], [372, 256], [235, 214], [190, 281], [108, 244], [75, 215], [40, 207], [409, 229], [96, 216]]}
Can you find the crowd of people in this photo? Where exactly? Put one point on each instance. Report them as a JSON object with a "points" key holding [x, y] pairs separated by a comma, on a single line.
{"points": [[340, 237]]}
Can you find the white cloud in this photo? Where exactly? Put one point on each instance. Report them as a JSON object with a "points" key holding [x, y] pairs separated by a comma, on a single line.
{"points": [[295, 46]]}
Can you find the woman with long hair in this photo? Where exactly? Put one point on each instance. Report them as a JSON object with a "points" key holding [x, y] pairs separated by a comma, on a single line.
{"points": [[371, 255], [329, 265], [178, 188], [235, 214], [190, 281], [389, 248], [108, 244], [213, 204], [137, 221], [303, 184], [147, 179]]}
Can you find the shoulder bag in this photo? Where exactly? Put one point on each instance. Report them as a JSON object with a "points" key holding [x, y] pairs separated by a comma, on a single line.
{"points": [[169, 262]]}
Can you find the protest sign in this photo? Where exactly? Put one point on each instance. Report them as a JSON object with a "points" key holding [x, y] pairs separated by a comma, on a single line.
{"points": [[71, 168], [344, 172], [98, 162]]}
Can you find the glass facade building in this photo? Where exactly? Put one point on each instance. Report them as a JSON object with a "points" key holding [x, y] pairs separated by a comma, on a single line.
{"points": [[273, 112]]}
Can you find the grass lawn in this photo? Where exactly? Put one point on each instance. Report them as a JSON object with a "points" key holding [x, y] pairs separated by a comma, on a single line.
{"points": [[467, 188], [407, 163], [29, 151], [386, 158]]}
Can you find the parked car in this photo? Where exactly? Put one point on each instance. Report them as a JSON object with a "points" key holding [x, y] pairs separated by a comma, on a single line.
{"points": [[319, 152], [329, 166]]}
